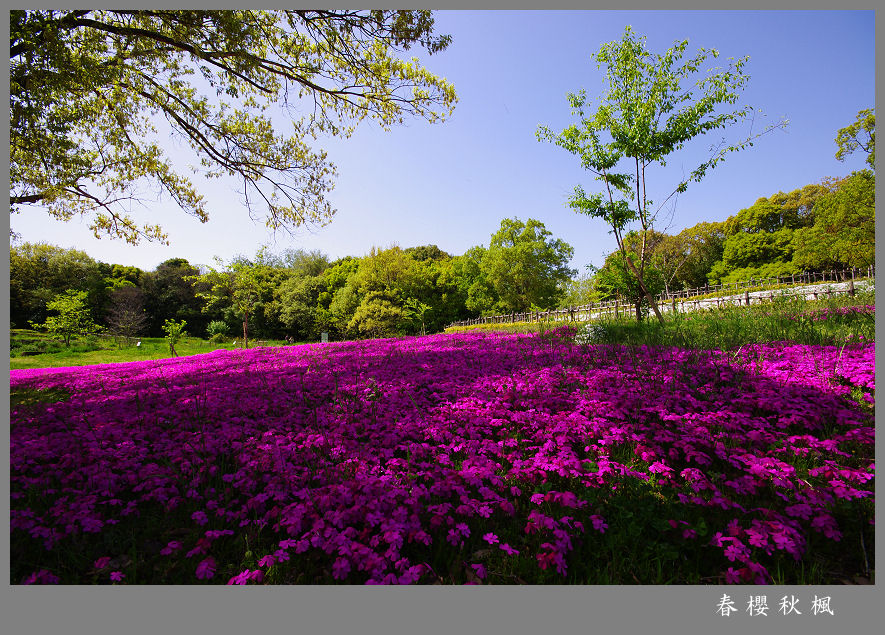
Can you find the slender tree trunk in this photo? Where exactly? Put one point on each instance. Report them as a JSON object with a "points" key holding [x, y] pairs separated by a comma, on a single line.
{"points": [[651, 300], [245, 330], [638, 275]]}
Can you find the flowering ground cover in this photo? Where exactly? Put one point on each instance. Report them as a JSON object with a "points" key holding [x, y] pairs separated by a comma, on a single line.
{"points": [[470, 457]]}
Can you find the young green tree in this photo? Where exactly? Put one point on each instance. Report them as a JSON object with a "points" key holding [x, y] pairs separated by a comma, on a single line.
{"points": [[685, 259], [174, 332], [417, 310], [72, 316], [647, 111], [87, 89]]}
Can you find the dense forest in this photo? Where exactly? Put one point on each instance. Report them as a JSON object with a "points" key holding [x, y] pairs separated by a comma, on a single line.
{"points": [[389, 291]]}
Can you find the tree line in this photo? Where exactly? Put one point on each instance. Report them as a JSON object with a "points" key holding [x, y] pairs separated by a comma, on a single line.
{"points": [[299, 293], [820, 227]]}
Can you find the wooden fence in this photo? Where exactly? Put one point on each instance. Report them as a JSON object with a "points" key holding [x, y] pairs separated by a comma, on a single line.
{"points": [[682, 300]]}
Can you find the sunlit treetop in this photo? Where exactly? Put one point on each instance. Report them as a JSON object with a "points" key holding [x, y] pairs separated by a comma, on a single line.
{"points": [[88, 89], [859, 135]]}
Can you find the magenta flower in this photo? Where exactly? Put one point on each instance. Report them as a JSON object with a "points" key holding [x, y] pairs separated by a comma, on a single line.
{"points": [[41, 577], [659, 468], [412, 574], [281, 555], [490, 538], [206, 568], [170, 548], [599, 523], [340, 568], [102, 562], [240, 579], [508, 549], [732, 576], [117, 576]]}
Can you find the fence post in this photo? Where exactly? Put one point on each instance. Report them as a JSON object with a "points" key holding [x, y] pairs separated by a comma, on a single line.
{"points": [[747, 297], [616, 308]]}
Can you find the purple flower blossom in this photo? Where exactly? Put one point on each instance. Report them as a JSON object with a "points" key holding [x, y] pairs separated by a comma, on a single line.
{"points": [[206, 568], [170, 548], [340, 568], [41, 577], [599, 523]]}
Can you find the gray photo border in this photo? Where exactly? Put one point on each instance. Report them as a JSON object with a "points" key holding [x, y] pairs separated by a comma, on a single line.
{"points": [[353, 609]]}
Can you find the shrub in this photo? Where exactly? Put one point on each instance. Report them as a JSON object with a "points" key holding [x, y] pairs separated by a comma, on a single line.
{"points": [[217, 328]]}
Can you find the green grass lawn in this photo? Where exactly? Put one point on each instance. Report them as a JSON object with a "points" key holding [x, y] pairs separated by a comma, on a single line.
{"points": [[32, 349]]}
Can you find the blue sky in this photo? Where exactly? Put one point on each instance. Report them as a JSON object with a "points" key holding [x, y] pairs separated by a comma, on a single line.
{"points": [[450, 184]]}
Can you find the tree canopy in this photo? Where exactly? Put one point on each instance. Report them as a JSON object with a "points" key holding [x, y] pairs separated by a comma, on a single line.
{"points": [[859, 135], [89, 88], [646, 112], [526, 266], [844, 229]]}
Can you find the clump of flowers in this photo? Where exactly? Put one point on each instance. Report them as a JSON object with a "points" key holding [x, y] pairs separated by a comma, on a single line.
{"points": [[357, 461]]}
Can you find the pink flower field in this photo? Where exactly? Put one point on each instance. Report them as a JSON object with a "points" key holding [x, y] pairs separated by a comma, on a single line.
{"points": [[462, 458]]}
